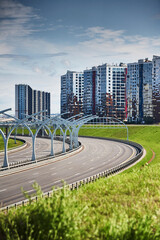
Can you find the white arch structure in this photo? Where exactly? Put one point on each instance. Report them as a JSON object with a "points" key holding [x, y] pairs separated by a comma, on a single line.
{"points": [[54, 122], [29, 121]]}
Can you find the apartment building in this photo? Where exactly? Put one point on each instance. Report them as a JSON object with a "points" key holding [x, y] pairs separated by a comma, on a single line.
{"points": [[99, 90], [29, 101], [104, 91], [156, 88], [72, 90], [139, 91]]}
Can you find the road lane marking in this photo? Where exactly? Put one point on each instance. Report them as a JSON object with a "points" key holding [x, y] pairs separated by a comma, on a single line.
{"points": [[31, 181], [35, 173], [70, 168], [76, 174], [3, 190], [70, 163], [92, 160], [84, 163], [30, 190], [60, 158], [91, 168], [57, 181], [52, 168], [128, 158], [53, 174]]}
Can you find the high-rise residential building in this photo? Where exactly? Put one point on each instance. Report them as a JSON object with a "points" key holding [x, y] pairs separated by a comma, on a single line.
{"points": [[104, 91], [139, 91], [28, 101], [156, 88], [23, 100], [89, 98], [131, 92], [99, 90], [116, 91], [72, 88]]}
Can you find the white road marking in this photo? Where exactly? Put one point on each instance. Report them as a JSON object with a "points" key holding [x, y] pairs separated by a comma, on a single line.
{"points": [[91, 168], [31, 181], [57, 181], [69, 162], [84, 163], [35, 173], [76, 174], [52, 168], [92, 160], [30, 190], [70, 168], [3, 190], [53, 174]]}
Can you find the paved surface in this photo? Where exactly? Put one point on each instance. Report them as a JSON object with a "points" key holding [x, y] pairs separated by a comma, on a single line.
{"points": [[98, 155], [42, 148]]}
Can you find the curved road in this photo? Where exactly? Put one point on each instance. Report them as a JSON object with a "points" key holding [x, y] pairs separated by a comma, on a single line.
{"points": [[42, 149], [97, 156]]}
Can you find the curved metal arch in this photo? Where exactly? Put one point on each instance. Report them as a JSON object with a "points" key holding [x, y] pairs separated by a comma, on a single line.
{"points": [[77, 127], [35, 135], [59, 127], [68, 129], [3, 136], [116, 120], [25, 122], [78, 121], [5, 162], [17, 123]]}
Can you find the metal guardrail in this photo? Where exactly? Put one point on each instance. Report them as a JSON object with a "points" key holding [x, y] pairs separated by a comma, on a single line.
{"points": [[90, 179]]}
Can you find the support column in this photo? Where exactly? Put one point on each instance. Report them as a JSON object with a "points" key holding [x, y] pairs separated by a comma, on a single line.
{"points": [[33, 148], [15, 136], [5, 162], [7, 130], [52, 152], [22, 131], [70, 145], [64, 149], [42, 132]]}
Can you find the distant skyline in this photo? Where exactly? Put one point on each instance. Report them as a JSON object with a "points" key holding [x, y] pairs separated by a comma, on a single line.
{"points": [[40, 40]]}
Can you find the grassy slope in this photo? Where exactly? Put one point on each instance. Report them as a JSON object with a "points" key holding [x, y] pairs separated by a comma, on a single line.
{"points": [[124, 207], [147, 136], [11, 143]]}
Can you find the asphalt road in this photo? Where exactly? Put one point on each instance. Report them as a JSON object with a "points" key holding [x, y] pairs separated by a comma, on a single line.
{"points": [[97, 155], [42, 149]]}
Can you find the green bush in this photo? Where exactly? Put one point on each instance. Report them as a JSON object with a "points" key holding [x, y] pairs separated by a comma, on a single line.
{"points": [[48, 218]]}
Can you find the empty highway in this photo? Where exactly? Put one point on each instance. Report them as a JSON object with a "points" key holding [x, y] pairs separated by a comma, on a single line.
{"points": [[98, 155], [42, 149]]}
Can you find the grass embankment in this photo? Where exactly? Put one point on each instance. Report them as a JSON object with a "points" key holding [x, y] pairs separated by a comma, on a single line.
{"points": [[122, 207], [11, 143]]}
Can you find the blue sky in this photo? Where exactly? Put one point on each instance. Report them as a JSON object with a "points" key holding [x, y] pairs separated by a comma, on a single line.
{"points": [[41, 39]]}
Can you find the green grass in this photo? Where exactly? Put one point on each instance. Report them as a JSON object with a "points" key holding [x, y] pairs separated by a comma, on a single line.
{"points": [[147, 136], [121, 207], [11, 143]]}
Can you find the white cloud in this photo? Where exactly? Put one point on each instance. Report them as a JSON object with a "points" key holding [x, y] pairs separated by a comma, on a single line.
{"points": [[40, 63]]}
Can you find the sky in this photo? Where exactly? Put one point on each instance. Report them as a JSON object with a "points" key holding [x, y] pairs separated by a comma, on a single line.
{"points": [[41, 39]]}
